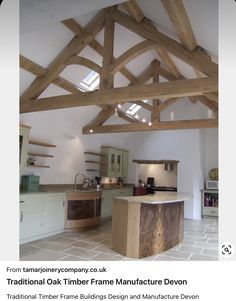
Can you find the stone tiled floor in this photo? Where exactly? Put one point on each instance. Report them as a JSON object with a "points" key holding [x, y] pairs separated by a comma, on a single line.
{"points": [[200, 243]]}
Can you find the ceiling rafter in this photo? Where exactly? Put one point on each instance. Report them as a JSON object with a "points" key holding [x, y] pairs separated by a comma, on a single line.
{"points": [[196, 58], [131, 54], [158, 126], [58, 64], [78, 29], [203, 90], [179, 18], [78, 60], [188, 87], [134, 10], [38, 70]]}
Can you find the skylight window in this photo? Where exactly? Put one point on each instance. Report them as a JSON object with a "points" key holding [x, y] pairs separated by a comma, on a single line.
{"points": [[134, 108], [91, 81]]}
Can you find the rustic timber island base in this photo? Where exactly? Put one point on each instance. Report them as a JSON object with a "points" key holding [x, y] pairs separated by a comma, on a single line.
{"points": [[146, 225]]}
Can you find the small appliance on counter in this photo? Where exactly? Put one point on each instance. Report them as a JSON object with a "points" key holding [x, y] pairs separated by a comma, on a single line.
{"points": [[29, 183]]}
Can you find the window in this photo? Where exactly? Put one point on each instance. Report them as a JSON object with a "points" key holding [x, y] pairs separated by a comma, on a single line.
{"points": [[134, 108], [91, 81]]}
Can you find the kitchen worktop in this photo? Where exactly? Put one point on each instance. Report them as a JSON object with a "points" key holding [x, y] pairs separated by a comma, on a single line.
{"points": [[159, 197], [66, 188]]}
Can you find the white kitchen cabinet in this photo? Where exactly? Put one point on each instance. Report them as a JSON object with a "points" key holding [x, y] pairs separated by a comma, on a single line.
{"points": [[114, 162], [108, 195], [41, 215]]}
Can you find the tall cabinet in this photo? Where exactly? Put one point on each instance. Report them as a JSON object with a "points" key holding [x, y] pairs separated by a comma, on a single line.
{"points": [[114, 162]]}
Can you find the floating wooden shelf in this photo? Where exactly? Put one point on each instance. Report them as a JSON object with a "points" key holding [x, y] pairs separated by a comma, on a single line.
{"points": [[94, 154], [40, 155], [35, 165], [155, 161], [90, 161], [41, 143], [92, 170]]}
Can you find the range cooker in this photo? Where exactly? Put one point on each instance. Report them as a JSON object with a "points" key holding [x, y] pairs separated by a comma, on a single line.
{"points": [[151, 188]]}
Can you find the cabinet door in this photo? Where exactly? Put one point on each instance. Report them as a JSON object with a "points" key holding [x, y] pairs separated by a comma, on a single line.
{"points": [[54, 212], [115, 163], [41, 214], [31, 218], [125, 162]]}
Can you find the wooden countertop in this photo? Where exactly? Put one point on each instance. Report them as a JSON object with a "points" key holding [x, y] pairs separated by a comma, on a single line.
{"points": [[159, 197]]}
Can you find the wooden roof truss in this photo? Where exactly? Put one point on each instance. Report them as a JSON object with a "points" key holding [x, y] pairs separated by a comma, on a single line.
{"points": [[201, 89]]}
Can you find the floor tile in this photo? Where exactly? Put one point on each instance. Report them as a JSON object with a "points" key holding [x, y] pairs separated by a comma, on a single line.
{"points": [[203, 257], [81, 252], [43, 255], [200, 243], [190, 249]]}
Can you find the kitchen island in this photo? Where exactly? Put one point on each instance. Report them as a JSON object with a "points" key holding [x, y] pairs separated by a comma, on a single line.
{"points": [[146, 225]]}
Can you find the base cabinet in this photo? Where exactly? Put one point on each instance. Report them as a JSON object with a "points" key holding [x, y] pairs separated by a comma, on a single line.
{"points": [[108, 195], [41, 215], [210, 201]]}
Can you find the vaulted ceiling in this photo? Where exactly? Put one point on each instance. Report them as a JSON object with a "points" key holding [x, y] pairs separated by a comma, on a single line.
{"points": [[142, 50]]}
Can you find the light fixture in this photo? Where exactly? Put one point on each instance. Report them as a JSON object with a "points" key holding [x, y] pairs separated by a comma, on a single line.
{"points": [[91, 131], [144, 120], [149, 123], [136, 116], [119, 106], [116, 112]]}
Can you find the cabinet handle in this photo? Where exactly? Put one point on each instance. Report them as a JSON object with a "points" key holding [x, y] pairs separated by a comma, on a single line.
{"points": [[21, 216]]}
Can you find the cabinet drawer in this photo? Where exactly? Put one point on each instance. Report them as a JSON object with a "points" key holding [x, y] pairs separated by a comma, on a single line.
{"points": [[210, 211]]}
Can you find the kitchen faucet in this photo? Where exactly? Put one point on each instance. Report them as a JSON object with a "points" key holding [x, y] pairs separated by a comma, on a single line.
{"points": [[76, 177]]}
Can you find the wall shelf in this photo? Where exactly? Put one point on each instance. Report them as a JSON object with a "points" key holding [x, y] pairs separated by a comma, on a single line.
{"points": [[93, 170], [94, 154], [37, 165], [39, 143], [90, 161], [39, 155]]}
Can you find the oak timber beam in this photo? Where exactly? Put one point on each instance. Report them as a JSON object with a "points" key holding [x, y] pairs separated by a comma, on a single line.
{"points": [[196, 58], [212, 96], [188, 87], [58, 64], [134, 10], [167, 103], [78, 60], [131, 54], [106, 77], [167, 60], [102, 116], [159, 126], [38, 70], [95, 45], [162, 53], [207, 102], [155, 102], [178, 15]]}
